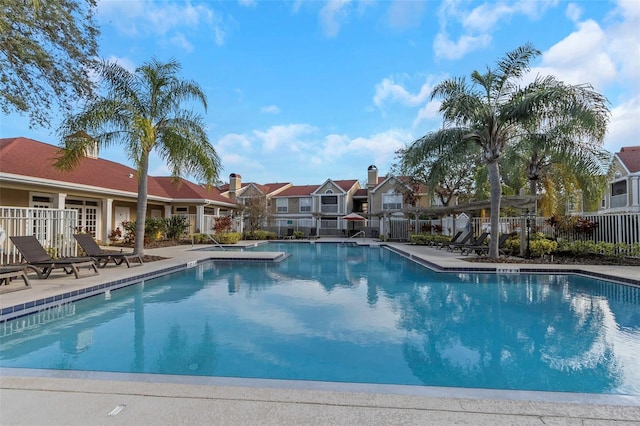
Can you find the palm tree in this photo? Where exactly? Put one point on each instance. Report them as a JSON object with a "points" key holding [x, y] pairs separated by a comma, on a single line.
{"points": [[563, 165], [143, 112], [566, 142], [493, 111]]}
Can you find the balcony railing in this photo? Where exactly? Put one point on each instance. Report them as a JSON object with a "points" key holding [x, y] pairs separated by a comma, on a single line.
{"points": [[329, 208]]}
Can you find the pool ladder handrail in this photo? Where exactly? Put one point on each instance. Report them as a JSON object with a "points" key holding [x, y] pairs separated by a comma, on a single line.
{"points": [[355, 235], [211, 238], [216, 242]]}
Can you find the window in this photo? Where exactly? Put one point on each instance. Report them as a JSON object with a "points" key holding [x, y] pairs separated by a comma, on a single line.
{"points": [[282, 205], [87, 214], [41, 201], [619, 188], [329, 204], [391, 201], [333, 199], [305, 205]]}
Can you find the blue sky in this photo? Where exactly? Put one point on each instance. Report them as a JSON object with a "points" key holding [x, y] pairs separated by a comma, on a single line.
{"points": [[303, 91]]}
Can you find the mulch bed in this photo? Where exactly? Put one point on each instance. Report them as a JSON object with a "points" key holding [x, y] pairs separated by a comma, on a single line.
{"points": [[148, 258]]}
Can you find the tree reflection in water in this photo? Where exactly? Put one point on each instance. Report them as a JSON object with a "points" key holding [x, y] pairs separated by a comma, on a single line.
{"points": [[509, 339], [179, 356]]}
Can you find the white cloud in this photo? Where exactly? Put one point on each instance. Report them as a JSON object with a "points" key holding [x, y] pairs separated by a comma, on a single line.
{"points": [[160, 19], [580, 57], [430, 111], [219, 35], [270, 109], [287, 137], [181, 41], [449, 49], [479, 23], [624, 126], [248, 3], [488, 16], [390, 90], [623, 43], [381, 146], [233, 141], [331, 16], [573, 12], [234, 163], [336, 146], [405, 14], [484, 17]]}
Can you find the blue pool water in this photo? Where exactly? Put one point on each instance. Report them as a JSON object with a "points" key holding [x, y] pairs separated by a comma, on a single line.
{"points": [[348, 314]]}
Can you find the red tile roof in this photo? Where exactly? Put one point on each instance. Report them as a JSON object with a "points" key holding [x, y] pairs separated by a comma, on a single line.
{"points": [[27, 157], [298, 191], [268, 188], [630, 157], [184, 189], [346, 185]]}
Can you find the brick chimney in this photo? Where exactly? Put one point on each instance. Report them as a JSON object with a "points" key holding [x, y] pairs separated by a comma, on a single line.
{"points": [[372, 177], [235, 182]]}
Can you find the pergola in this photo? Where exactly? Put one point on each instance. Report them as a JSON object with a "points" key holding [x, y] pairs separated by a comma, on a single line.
{"points": [[525, 203], [522, 202]]}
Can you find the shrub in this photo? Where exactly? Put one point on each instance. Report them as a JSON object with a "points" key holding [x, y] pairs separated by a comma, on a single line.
{"points": [[607, 249], [542, 247], [115, 235], [129, 227], [428, 239], [298, 235], [176, 226], [228, 237], [572, 223], [539, 244], [512, 245], [259, 235], [153, 229], [222, 224], [199, 238]]}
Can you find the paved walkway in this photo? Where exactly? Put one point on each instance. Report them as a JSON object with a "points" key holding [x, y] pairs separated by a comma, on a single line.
{"points": [[33, 397]]}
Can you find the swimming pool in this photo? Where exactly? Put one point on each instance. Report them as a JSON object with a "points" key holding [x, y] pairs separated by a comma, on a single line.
{"points": [[348, 314]]}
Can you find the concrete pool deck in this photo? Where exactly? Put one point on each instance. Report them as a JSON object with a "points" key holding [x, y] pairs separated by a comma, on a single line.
{"points": [[58, 397]]}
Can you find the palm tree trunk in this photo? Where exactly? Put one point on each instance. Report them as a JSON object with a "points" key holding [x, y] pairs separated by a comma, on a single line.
{"points": [[496, 195], [533, 187], [141, 211]]}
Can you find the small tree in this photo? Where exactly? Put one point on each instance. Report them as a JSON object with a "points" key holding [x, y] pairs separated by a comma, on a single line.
{"points": [[222, 224], [255, 212]]}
